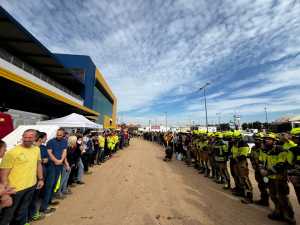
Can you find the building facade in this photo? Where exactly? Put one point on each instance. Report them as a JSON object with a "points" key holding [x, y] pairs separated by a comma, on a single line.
{"points": [[33, 79], [97, 94]]}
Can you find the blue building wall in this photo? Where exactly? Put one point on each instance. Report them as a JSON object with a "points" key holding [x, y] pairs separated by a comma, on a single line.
{"points": [[93, 97], [85, 63]]}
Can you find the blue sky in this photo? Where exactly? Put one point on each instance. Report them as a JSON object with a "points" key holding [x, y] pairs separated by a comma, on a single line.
{"points": [[156, 54]]}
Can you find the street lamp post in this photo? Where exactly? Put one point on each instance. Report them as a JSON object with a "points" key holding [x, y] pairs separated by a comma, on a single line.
{"points": [[203, 88]]}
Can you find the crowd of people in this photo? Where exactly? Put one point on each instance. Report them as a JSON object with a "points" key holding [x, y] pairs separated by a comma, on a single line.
{"points": [[36, 174], [225, 156]]}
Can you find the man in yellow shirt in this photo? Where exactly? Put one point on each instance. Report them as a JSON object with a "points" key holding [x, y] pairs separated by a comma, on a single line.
{"points": [[101, 141], [110, 143], [116, 141], [21, 169]]}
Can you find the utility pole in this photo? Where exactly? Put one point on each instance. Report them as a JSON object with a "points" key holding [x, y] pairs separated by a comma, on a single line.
{"points": [[204, 93], [219, 119], [166, 114], [266, 113]]}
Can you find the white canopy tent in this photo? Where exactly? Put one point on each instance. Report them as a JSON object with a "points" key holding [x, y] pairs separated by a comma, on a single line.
{"points": [[295, 118], [15, 137], [286, 119], [72, 121]]}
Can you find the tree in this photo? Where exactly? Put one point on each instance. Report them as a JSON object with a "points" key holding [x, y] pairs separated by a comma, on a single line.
{"points": [[257, 125], [245, 126], [224, 126]]}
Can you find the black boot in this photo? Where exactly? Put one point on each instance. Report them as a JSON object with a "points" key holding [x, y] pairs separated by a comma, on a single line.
{"points": [[221, 180], [275, 216], [238, 192], [262, 202], [207, 172], [235, 189], [290, 220], [226, 186], [213, 174], [217, 179], [202, 170], [248, 199]]}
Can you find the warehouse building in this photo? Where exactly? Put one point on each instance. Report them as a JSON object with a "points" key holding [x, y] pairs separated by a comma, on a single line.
{"points": [[33, 79]]}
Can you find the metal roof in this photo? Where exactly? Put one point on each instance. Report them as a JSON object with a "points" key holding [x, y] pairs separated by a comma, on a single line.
{"points": [[18, 41]]}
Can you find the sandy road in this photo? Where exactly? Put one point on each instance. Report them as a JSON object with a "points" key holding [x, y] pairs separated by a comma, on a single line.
{"points": [[137, 188]]}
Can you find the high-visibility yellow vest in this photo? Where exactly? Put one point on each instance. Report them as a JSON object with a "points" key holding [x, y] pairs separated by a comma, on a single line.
{"points": [[244, 151], [234, 151], [110, 143], [58, 183], [288, 145], [101, 141], [115, 139], [273, 158], [221, 151]]}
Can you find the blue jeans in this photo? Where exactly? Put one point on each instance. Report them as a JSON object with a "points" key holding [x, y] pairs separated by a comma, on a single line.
{"points": [[53, 173], [64, 181], [80, 170]]}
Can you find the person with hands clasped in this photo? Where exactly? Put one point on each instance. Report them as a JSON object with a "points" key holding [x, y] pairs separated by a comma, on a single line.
{"points": [[20, 169], [57, 151]]}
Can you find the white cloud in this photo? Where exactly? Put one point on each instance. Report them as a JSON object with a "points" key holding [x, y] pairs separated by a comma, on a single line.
{"points": [[271, 82], [148, 50]]}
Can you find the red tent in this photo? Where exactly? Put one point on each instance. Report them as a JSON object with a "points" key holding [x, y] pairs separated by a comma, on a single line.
{"points": [[6, 124]]}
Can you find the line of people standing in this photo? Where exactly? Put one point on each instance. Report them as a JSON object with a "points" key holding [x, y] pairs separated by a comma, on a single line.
{"points": [[38, 173], [275, 159]]}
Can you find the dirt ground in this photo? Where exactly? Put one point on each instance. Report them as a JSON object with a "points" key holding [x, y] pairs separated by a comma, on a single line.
{"points": [[136, 187]]}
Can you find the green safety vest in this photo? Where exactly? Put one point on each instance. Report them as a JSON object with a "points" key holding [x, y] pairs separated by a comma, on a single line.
{"points": [[221, 151], [244, 151], [254, 156], [288, 145], [101, 141], [201, 144], [274, 158], [262, 156], [293, 156], [234, 151], [194, 143], [110, 143], [204, 145]]}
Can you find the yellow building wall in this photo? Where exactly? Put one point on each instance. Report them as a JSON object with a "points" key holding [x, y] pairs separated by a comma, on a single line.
{"points": [[106, 123]]}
